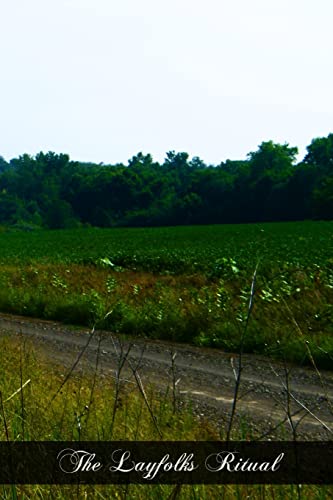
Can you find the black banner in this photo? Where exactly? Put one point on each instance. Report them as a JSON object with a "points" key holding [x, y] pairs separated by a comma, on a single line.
{"points": [[166, 462]]}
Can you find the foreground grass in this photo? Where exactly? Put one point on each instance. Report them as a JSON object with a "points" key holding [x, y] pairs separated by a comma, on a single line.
{"points": [[87, 408]]}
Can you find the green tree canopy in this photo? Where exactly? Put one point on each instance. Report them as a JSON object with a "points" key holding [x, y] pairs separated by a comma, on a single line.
{"points": [[272, 160], [320, 153]]}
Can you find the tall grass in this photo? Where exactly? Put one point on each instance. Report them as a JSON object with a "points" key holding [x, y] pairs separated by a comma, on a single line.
{"points": [[43, 401], [186, 308]]}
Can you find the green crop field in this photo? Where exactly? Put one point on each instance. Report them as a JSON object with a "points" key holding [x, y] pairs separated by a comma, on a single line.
{"points": [[179, 249], [189, 284]]}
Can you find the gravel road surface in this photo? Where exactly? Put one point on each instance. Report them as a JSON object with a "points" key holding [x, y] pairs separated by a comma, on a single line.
{"points": [[206, 377]]}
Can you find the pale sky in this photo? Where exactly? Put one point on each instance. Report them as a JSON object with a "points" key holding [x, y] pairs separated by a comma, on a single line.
{"points": [[102, 80]]}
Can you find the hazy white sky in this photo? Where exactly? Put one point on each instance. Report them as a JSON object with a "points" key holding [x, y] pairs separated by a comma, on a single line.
{"points": [[104, 79]]}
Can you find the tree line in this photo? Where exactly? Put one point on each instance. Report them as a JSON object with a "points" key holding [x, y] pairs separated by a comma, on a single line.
{"points": [[51, 191]]}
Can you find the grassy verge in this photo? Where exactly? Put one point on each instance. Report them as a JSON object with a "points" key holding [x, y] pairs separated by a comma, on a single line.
{"points": [[90, 408], [292, 315]]}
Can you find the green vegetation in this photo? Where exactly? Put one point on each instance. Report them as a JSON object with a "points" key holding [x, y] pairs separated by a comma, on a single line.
{"points": [[89, 408], [50, 191], [188, 284]]}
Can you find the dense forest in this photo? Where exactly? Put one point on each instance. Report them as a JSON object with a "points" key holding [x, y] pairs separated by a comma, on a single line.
{"points": [[51, 191]]}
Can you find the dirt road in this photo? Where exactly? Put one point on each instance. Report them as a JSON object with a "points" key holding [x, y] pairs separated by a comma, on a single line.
{"points": [[206, 377]]}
